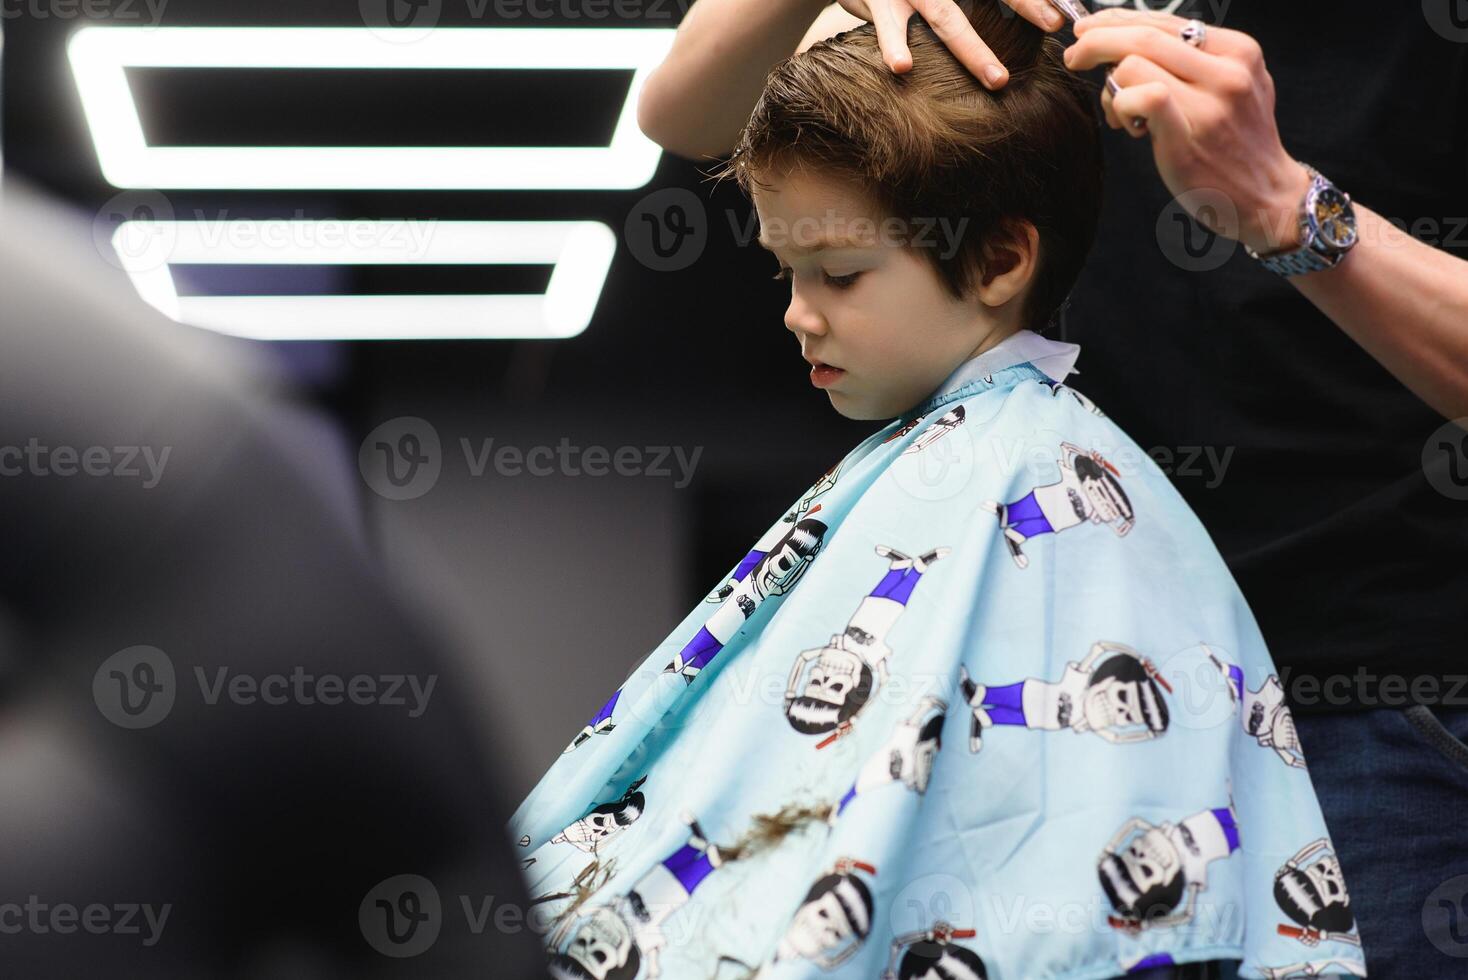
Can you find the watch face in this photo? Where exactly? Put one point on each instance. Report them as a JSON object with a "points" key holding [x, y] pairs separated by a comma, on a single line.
{"points": [[1333, 215]]}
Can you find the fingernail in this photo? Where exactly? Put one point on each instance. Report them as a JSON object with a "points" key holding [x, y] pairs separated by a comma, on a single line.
{"points": [[994, 74]]}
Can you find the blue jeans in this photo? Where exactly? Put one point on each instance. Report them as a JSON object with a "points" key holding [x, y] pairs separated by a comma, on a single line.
{"points": [[1393, 783]]}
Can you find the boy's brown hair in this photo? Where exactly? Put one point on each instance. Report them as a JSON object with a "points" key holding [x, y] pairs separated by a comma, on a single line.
{"points": [[934, 144]]}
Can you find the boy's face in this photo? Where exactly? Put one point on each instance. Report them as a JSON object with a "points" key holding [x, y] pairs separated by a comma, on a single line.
{"points": [[863, 301]]}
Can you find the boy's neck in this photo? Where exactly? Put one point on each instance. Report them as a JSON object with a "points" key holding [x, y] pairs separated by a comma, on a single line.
{"points": [[1055, 358], [993, 339]]}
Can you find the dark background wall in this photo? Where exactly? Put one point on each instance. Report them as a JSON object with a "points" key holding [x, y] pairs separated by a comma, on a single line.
{"points": [[557, 585]]}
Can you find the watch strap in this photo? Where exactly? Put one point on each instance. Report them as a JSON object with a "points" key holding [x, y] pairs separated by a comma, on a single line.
{"points": [[1309, 256]]}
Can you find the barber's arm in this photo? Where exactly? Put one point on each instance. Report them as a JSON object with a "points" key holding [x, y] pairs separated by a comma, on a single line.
{"points": [[1209, 111], [697, 100]]}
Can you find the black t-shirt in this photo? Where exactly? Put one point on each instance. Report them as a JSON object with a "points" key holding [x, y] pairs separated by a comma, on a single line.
{"points": [[1326, 490]]}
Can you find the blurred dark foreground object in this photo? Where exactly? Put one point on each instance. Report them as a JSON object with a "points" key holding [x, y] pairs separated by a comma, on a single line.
{"points": [[220, 752]]}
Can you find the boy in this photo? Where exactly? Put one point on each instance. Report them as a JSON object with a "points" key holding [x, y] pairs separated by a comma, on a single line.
{"points": [[1009, 528]]}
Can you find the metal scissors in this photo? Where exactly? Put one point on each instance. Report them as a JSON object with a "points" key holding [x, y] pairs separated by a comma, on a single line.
{"points": [[1074, 10]]}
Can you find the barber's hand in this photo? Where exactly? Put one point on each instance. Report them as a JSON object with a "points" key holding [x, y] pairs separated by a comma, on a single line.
{"points": [[1210, 113], [951, 25]]}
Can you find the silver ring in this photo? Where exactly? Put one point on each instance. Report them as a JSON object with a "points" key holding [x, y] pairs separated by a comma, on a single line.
{"points": [[1195, 32]]}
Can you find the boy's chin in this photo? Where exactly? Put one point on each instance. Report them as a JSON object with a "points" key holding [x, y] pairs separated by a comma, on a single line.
{"points": [[860, 409]]}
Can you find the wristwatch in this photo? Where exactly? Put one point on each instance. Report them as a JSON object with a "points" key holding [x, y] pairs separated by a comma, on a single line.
{"points": [[1327, 231]]}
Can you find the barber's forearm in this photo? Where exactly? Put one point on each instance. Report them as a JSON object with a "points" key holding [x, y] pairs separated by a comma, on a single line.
{"points": [[696, 101], [1406, 303]]}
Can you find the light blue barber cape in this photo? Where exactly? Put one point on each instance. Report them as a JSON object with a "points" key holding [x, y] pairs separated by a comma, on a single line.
{"points": [[984, 703]]}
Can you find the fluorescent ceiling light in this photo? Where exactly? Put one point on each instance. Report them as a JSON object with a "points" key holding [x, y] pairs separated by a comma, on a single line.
{"points": [[100, 56], [580, 251]]}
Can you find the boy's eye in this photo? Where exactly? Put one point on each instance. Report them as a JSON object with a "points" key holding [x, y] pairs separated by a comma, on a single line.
{"points": [[840, 282]]}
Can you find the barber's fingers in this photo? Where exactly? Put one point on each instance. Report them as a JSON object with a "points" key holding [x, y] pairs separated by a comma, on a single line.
{"points": [[1041, 13], [1134, 70], [1150, 93], [890, 18], [1220, 41], [1109, 45], [952, 26], [1155, 104]]}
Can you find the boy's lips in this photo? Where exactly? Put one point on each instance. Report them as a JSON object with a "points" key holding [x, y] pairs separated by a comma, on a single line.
{"points": [[824, 375]]}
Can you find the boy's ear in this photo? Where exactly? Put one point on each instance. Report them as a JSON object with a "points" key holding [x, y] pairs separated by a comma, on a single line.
{"points": [[1010, 258]]}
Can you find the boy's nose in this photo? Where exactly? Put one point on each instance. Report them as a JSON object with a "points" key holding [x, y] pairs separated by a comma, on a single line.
{"points": [[801, 317]]}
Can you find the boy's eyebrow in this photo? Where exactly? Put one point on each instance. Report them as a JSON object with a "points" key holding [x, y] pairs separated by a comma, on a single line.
{"points": [[820, 244]]}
